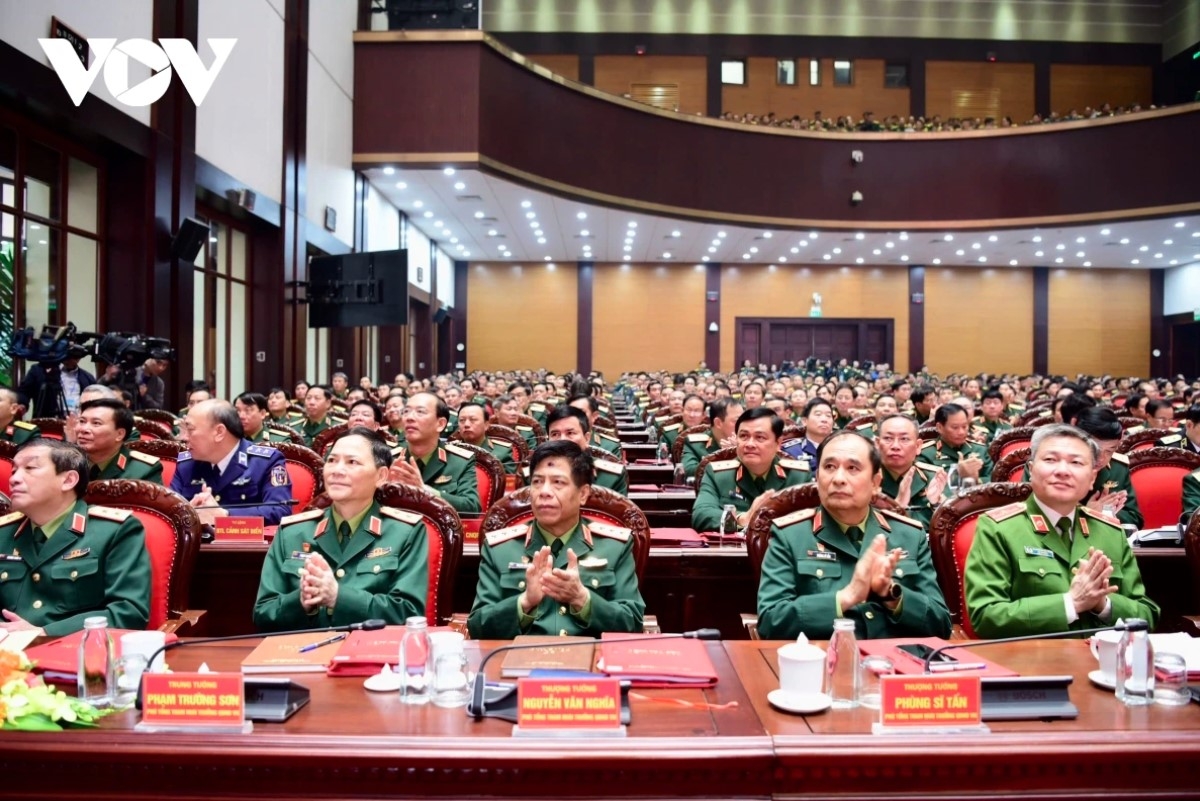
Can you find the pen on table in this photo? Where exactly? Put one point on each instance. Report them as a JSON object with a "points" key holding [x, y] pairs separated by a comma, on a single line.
{"points": [[947, 667], [316, 645]]}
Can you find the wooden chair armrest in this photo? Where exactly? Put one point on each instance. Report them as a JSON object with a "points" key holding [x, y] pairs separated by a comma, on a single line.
{"points": [[188, 617], [751, 624], [650, 624], [458, 622], [957, 633]]}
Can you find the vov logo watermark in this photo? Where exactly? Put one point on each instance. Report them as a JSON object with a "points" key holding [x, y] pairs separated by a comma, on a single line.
{"points": [[113, 59]]}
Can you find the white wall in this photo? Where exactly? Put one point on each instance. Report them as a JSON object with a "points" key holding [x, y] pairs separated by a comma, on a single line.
{"points": [[1181, 289], [418, 259], [239, 127], [383, 222], [330, 140], [23, 22], [445, 275]]}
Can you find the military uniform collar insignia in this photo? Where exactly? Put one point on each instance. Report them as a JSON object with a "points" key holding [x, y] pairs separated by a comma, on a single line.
{"points": [[321, 527], [587, 533], [818, 519], [78, 522], [243, 460], [1039, 524], [883, 523], [121, 460], [441, 454], [1083, 525], [375, 526]]}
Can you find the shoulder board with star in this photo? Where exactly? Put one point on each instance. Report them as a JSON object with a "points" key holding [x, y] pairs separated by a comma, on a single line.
{"points": [[24, 425], [608, 467], [108, 513], [1092, 513], [794, 464], [702, 437], [901, 518], [1196, 474], [144, 457], [927, 466], [611, 532], [186, 456], [502, 443], [506, 534], [537, 407], [261, 450], [1123, 458], [608, 437], [525, 428], [931, 444], [673, 426], [400, 514], [1005, 512], [727, 464], [11, 517], [300, 518], [798, 516], [462, 453], [1170, 439]]}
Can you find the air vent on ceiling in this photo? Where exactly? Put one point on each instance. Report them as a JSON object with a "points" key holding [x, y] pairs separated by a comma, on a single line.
{"points": [[469, 198]]}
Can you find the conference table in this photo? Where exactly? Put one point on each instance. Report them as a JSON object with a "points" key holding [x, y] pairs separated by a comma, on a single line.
{"points": [[721, 742]]}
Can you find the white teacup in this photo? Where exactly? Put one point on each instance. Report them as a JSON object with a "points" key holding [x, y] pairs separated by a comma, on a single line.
{"points": [[801, 668], [1104, 648], [144, 644]]}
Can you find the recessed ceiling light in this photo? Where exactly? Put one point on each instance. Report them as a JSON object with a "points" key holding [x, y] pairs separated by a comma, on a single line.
{"points": [[975, 246], [859, 260], [755, 250], [466, 253], [704, 258], [1079, 255], [1168, 241], [937, 261], [428, 213], [903, 236], [389, 170], [438, 223], [535, 225], [529, 215], [1058, 260], [1087, 264], [1136, 261], [747, 255], [889, 244], [721, 234], [948, 238], [1012, 262], [525, 204], [1173, 262], [877, 252], [837, 251], [860, 236], [541, 240], [479, 215], [960, 253], [1179, 224], [627, 258], [632, 224], [627, 249], [904, 258], [448, 171], [585, 232], [546, 258], [493, 232], [795, 250], [418, 204], [676, 234], [716, 241], [1125, 241], [460, 186], [1158, 255], [1060, 246], [1079, 240], [982, 259], [767, 234], [803, 243], [1040, 253], [783, 258], [1037, 239], [581, 215], [1143, 248], [993, 238], [1195, 233], [827, 257], [454, 240], [1104, 232], [714, 250]]}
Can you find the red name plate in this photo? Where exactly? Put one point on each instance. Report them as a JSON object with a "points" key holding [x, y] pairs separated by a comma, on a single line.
{"points": [[239, 529], [569, 703], [193, 699], [930, 701]]}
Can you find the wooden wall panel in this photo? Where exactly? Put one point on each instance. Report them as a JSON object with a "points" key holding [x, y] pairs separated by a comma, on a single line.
{"points": [[1077, 86], [564, 65], [615, 74], [647, 317], [786, 291], [979, 89], [522, 317], [1099, 322], [979, 320], [761, 93]]}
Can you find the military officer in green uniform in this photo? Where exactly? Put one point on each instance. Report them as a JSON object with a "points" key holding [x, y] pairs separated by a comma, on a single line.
{"points": [[991, 422], [1189, 437], [924, 398], [318, 404], [1191, 493], [278, 405], [908, 487], [843, 406], [447, 471], [693, 416], [591, 407], [1049, 564], [754, 476], [351, 562], [569, 423], [393, 417], [847, 560], [562, 574], [508, 411], [723, 415], [953, 447], [254, 412], [472, 429], [62, 561], [13, 430], [100, 430]]}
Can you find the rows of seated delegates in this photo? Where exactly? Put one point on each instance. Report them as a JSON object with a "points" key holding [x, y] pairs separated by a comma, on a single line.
{"points": [[898, 123], [876, 451]]}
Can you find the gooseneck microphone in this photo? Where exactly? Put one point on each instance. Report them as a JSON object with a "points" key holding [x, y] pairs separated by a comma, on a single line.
{"points": [[1132, 625], [477, 706], [373, 624]]}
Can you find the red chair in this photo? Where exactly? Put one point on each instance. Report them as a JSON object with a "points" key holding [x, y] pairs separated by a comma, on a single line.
{"points": [[1012, 466], [721, 455], [681, 440], [172, 540], [322, 441], [7, 451], [758, 533], [951, 533], [51, 427], [1131, 422], [282, 429], [159, 416], [167, 451], [1140, 440], [490, 479], [153, 430], [304, 469], [1008, 441], [1157, 478], [445, 538]]}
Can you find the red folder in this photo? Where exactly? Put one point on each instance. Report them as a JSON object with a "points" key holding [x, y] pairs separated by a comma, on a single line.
{"points": [[657, 663], [364, 653], [907, 664], [58, 660]]}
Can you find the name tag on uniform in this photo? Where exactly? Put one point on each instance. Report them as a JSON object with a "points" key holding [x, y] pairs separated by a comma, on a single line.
{"points": [[1031, 551], [592, 563], [518, 565], [303, 556], [378, 552], [442, 480], [13, 558], [737, 496], [78, 553], [824, 556]]}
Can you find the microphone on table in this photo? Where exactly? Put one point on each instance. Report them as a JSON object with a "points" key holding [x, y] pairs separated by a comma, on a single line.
{"points": [[246, 505], [1132, 625], [373, 624], [477, 707]]}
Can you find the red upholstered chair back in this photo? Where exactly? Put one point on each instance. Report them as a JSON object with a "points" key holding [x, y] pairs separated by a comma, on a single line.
{"points": [[444, 534], [716, 456], [1140, 440], [928, 432], [1157, 477], [304, 469], [159, 416], [950, 536], [539, 433], [153, 430], [167, 450], [490, 480], [758, 527], [512, 437], [1012, 466], [603, 506], [1008, 441], [7, 451], [172, 539], [322, 441], [51, 427], [1131, 422]]}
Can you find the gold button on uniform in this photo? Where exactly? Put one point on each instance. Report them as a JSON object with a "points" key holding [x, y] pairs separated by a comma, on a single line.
{"points": [[74, 574], [870, 615], [375, 569], [37, 604], [521, 585], [595, 582], [899, 572], [4, 576], [35, 576], [1041, 571], [341, 573], [562, 610], [820, 573]]}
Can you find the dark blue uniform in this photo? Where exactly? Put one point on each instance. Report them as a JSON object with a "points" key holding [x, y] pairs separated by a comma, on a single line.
{"points": [[256, 474]]}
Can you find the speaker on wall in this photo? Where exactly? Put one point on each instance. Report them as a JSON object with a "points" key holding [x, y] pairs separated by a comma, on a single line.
{"points": [[440, 316], [189, 239]]}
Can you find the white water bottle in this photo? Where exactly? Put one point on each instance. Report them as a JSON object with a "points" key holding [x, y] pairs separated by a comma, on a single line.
{"points": [[1135, 667], [842, 675], [414, 662], [96, 681]]}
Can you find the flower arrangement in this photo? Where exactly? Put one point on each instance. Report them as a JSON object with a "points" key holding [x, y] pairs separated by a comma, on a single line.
{"points": [[27, 703]]}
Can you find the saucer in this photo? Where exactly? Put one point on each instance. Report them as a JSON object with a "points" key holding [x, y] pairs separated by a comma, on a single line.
{"points": [[383, 683], [1100, 680], [799, 703]]}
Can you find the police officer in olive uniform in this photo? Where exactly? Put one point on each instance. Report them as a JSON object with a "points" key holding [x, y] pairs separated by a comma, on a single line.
{"points": [[352, 562], [562, 574], [13, 430], [953, 445], [100, 430], [446, 470], [1040, 566], [62, 561], [756, 471]]}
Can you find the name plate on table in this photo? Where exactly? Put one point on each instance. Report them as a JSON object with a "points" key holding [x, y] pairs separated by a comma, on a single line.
{"points": [[239, 529], [949, 704], [562, 706], [193, 701]]}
